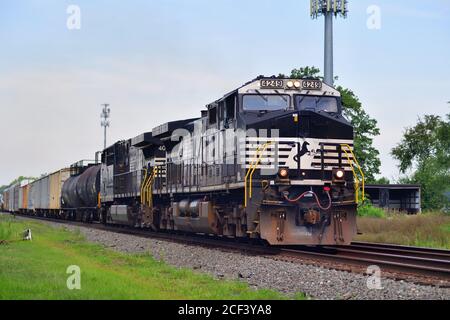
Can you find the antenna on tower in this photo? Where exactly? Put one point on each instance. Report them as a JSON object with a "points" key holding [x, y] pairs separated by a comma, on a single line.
{"points": [[329, 8], [105, 123]]}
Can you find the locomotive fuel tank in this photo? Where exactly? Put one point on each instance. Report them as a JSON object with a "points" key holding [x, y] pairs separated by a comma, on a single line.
{"points": [[195, 216]]}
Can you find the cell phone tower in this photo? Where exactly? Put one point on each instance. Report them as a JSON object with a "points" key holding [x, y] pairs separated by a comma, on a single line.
{"points": [[328, 9], [105, 123]]}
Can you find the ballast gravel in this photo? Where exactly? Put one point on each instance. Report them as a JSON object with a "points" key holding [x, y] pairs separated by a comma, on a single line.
{"points": [[261, 272]]}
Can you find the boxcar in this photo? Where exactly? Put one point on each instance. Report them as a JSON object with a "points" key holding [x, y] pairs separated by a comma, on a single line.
{"points": [[23, 198], [40, 195], [6, 200], [56, 182], [44, 193], [31, 196], [11, 196]]}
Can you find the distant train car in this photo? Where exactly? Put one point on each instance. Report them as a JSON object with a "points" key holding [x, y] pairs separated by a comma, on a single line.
{"points": [[11, 198], [56, 182], [5, 204], [32, 187], [14, 198], [23, 197], [39, 196], [43, 196]]}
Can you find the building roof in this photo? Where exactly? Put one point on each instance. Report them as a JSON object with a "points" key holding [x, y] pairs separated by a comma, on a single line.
{"points": [[393, 186]]}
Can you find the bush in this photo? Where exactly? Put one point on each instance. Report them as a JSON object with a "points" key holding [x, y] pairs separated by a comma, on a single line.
{"points": [[368, 210], [430, 229]]}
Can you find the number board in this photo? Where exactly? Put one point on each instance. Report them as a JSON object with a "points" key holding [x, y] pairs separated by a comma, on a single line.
{"points": [[272, 84], [312, 85]]}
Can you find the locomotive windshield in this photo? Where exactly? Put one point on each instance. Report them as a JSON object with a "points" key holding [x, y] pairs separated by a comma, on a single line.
{"points": [[317, 103], [266, 102]]}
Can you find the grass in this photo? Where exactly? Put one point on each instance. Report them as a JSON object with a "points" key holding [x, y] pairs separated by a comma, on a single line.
{"points": [[37, 270], [430, 229], [367, 210]]}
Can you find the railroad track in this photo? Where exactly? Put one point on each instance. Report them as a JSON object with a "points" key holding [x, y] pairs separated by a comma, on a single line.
{"points": [[422, 265], [395, 259]]}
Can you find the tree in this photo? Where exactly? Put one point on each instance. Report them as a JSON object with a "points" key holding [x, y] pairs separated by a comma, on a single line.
{"points": [[306, 72], [418, 143], [365, 127], [15, 181], [425, 151], [3, 188], [382, 180]]}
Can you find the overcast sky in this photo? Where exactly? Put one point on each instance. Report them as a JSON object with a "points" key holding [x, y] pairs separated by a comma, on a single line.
{"points": [[161, 60]]}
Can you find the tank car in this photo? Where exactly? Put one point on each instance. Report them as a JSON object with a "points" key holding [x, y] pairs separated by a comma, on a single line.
{"points": [[80, 192]]}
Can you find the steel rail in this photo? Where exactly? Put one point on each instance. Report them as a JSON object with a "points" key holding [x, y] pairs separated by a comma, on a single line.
{"points": [[415, 260]]}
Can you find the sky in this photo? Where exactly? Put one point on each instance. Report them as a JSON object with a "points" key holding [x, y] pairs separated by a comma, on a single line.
{"points": [[160, 60]]}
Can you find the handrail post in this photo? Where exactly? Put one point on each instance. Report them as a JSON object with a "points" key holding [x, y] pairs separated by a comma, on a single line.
{"points": [[265, 146], [254, 163], [354, 173], [143, 185]]}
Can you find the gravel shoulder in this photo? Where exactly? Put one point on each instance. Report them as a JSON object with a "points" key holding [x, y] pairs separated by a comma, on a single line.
{"points": [[261, 272]]}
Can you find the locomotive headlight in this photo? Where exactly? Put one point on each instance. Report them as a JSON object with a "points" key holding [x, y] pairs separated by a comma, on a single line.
{"points": [[297, 84], [283, 173], [290, 84], [339, 174]]}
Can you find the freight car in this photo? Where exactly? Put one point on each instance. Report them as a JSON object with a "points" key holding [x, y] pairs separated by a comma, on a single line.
{"points": [[272, 160], [80, 192], [44, 195], [11, 198]]}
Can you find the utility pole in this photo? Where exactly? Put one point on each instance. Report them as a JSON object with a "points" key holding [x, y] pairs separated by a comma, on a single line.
{"points": [[105, 122], [329, 8]]}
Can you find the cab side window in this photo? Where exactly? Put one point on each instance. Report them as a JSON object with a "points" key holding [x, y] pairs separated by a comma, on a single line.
{"points": [[212, 115], [222, 114], [230, 105]]}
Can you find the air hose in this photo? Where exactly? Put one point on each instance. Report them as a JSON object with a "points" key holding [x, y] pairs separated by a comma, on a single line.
{"points": [[315, 196]]}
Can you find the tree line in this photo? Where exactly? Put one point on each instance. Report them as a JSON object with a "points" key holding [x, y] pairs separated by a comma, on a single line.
{"points": [[16, 181]]}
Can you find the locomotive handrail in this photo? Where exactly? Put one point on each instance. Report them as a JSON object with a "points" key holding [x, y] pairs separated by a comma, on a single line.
{"points": [[355, 176], [265, 146], [246, 177], [252, 169], [146, 194], [143, 186], [149, 187], [146, 184], [354, 173]]}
